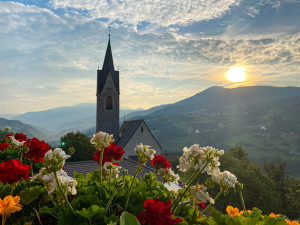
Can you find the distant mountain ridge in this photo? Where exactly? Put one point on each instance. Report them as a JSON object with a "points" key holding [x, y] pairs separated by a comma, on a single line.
{"points": [[264, 120], [19, 127], [59, 121]]}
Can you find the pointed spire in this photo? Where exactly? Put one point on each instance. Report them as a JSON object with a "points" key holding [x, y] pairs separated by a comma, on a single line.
{"points": [[108, 60]]}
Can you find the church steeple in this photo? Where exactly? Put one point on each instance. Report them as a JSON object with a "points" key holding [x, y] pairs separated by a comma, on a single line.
{"points": [[108, 91], [108, 60]]}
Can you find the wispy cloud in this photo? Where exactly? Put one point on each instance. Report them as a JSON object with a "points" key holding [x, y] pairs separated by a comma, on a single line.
{"points": [[163, 12], [50, 55]]}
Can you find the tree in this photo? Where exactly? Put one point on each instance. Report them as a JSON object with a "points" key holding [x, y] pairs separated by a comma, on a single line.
{"points": [[288, 188], [84, 150]]}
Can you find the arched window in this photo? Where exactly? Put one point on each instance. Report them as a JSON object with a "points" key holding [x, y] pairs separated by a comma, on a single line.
{"points": [[109, 102]]}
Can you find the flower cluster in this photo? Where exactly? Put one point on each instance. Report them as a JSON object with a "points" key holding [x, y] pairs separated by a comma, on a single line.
{"points": [[112, 153], [4, 146], [157, 213], [110, 170], [12, 171], [224, 179], [168, 175], [144, 153], [8, 206], [67, 183], [294, 222], [20, 137], [55, 160], [163, 168], [199, 194], [7, 128], [197, 157], [160, 161], [102, 139], [16, 142], [37, 149]]}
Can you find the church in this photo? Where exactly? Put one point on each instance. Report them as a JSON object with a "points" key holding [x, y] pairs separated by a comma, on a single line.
{"points": [[132, 132]]}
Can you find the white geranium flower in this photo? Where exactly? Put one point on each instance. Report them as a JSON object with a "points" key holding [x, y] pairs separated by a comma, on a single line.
{"points": [[198, 157], [50, 182], [16, 142], [144, 153], [7, 128], [108, 168], [102, 139], [224, 179], [199, 193], [168, 175]]}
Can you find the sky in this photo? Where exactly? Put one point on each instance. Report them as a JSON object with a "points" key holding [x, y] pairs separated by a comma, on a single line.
{"points": [[166, 50]]}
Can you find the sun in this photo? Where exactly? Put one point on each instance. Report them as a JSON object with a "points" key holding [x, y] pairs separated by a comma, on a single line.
{"points": [[236, 74]]}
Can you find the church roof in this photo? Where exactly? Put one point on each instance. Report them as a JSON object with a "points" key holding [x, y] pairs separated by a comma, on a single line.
{"points": [[85, 167], [128, 129], [108, 67]]}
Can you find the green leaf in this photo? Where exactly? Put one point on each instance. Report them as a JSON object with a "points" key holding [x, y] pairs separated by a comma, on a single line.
{"points": [[67, 217], [28, 195], [218, 217], [46, 210], [91, 211], [128, 219]]}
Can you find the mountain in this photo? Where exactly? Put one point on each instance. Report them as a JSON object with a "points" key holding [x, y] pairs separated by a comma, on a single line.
{"points": [[19, 127], [7, 116], [59, 121], [264, 120]]}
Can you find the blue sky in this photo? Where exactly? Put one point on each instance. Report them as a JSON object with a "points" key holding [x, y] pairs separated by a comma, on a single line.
{"points": [[166, 50]]}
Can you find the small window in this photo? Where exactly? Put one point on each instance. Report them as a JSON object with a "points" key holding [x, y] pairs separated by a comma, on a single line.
{"points": [[142, 129], [109, 102]]}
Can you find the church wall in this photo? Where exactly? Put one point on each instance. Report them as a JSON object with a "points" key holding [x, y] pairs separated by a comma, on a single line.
{"points": [[108, 119], [144, 137]]}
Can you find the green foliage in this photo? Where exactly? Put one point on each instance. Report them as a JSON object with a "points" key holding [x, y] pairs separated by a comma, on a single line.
{"points": [[253, 218], [91, 211], [128, 219], [84, 150], [28, 195], [288, 188]]}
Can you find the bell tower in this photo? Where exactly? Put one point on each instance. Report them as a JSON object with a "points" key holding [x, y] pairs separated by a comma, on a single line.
{"points": [[108, 92]]}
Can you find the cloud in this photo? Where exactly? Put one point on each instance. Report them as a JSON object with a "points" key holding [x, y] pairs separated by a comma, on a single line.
{"points": [[51, 59], [162, 12]]}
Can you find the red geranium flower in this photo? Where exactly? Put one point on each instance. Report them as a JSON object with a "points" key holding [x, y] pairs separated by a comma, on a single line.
{"points": [[201, 205], [157, 213], [160, 161], [12, 171], [20, 137], [37, 149], [8, 136], [4, 146], [110, 154]]}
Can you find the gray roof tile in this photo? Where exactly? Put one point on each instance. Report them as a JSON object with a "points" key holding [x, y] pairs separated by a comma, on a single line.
{"points": [[85, 167]]}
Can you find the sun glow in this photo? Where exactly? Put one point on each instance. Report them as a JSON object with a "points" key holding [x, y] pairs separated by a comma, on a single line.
{"points": [[236, 74]]}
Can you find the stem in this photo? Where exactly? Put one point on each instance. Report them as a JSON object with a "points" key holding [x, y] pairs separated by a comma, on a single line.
{"points": [[3, 219], [128, 194], [109, 184], [215, 199], [242, 200], [189, 184], [63, 194], [100, 165], [109, 201], [31, 168], [21, 157], [54, 204], [12, 189]]}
